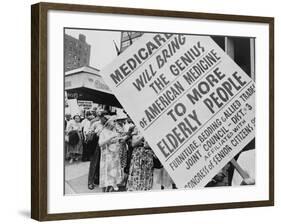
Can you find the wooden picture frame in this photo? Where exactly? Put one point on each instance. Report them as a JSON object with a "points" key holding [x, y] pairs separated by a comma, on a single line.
{"points": [[39, 109]]}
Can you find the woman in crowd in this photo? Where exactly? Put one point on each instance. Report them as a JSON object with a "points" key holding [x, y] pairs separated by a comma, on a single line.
{"points": [[141, 166], [123, 147], [74, 133], [66, 138], [129, 127], [110, 163]]}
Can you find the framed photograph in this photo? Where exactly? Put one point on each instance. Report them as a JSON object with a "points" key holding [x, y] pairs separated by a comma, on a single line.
{"points": [[141, 111]]}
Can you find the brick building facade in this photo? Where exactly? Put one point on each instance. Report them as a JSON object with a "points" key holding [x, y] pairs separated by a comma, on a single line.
{"points": [[76, 52]]}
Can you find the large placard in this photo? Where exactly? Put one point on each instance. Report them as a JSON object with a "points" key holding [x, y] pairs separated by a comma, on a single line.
{"points": [[191, 101]]}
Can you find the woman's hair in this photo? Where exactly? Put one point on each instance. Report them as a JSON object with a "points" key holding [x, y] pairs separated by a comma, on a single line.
{"points": [[88, 113], [76, 115]]}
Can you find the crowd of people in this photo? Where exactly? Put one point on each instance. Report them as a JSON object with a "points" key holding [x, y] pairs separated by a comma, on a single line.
{"points": [[120, 158]]}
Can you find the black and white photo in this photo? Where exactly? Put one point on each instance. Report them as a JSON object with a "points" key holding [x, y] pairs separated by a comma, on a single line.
{"points": [[105, 148]]}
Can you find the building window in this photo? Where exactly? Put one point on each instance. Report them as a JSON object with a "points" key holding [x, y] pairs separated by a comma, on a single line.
{"points": [[242, 51]]}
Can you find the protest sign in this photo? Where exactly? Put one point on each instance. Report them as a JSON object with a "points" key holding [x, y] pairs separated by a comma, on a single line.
{"points": [[85, 104], [191, 101]]}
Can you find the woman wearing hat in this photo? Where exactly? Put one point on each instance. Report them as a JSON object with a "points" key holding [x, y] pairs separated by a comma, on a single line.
{"points": [[110, 165], [74, 132]]}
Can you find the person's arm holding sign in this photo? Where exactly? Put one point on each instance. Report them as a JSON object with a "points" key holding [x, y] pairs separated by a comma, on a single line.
{"points": [[244, 173], [137, 140]]}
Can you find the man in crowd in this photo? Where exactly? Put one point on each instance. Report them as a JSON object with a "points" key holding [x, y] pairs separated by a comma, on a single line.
{"points": [[87, 136], [96, 127]]}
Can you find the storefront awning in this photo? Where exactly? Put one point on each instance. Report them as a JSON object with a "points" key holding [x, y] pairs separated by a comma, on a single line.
{"points": [[98, 97], [85, 83]]}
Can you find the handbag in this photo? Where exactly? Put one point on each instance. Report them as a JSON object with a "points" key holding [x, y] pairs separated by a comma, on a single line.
{"points": [[73, 138], [90, 136]]}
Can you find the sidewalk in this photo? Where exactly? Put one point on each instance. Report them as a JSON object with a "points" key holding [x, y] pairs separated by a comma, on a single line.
{"points": [[76, 178]]}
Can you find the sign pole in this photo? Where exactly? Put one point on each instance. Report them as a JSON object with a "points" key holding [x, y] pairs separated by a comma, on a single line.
{"points": [[239, 169]]}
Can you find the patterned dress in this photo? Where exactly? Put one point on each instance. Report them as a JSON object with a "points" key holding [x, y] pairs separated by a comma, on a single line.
{"points": [[110, 166], [141, 169], [123, 154], [123, 149]]}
